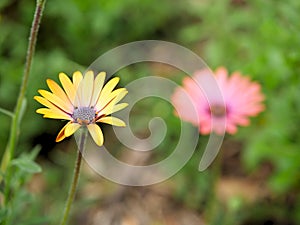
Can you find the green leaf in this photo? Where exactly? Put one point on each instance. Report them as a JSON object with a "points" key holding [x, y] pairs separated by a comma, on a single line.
{"points": [[27, 165], [34, 152]]}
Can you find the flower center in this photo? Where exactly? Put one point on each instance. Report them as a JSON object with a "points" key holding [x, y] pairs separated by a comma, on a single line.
{"points": [[218, 110], [84, 115]]}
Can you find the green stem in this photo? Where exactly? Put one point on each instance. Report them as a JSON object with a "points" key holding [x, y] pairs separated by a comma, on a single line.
{"points": [[213, 208], [6, 112], [14, 130], [75, 179]]}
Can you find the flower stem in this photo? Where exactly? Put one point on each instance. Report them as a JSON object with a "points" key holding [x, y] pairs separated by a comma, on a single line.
{"points": [[14, 129], [213, 206], [75, 179]]}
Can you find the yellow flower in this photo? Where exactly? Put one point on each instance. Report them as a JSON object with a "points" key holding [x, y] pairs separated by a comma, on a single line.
{"points": [[84, 101]]}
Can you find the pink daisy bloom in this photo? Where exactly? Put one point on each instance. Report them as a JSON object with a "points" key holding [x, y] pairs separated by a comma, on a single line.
{"points": [[242, 98]]}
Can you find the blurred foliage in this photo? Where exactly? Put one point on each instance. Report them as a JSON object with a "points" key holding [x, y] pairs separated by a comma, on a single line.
{"points": [[259, 38]]}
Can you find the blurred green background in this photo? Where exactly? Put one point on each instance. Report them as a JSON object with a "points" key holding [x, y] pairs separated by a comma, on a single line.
{"points": [[255, 179]]}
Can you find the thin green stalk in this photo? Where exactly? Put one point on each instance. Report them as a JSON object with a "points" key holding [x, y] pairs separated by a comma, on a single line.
{"points": [[14, 130], [6, 112], [75, 179], [213, 206]]}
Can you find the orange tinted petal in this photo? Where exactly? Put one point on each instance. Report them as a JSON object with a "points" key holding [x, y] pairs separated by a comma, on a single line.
{"points": [[61, 134]]}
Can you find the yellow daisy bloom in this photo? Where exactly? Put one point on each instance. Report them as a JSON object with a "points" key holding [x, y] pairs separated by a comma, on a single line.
{"points": [[84, 101]]}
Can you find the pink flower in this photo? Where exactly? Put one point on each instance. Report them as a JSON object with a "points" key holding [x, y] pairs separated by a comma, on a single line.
{"points": [[242, 98]]}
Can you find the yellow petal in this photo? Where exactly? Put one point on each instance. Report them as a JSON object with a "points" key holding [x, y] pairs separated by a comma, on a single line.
{"points": [[77, 77], [71, 129], [58, 91], [53, 114], [85, 89], [67, 107], [44, 102], [119, 107], [60, 114], [120, 95], [96, 133], [98, 85], [68, 86], [106, 91], [61, 134], [113, 121], [111, 107], [104, 102]]}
